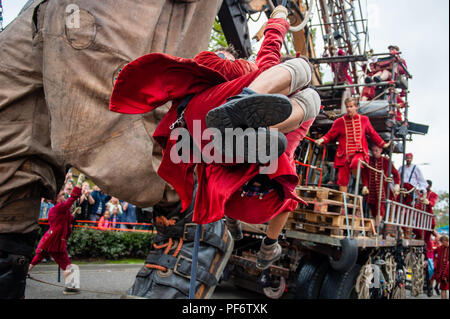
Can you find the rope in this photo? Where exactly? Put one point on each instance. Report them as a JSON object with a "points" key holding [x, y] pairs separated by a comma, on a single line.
{"points": [[364, 281], [390, 267], [85, 290], [415, 262]]}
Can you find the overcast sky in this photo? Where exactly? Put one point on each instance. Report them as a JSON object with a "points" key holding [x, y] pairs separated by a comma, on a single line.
{"points": [[421, 30]]}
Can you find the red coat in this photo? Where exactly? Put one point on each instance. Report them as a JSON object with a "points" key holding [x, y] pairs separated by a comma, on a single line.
{"points": [[136, 92], [441, 269], [372, 179], [340, 131], [60, 221]]}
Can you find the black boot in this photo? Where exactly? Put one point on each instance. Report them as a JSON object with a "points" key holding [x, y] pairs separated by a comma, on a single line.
{"points": [[250, 109], [16, 251], [166, 273]]}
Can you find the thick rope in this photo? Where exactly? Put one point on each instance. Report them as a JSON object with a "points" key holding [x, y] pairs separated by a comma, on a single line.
{"points": [[85, 290], [364, 281]]}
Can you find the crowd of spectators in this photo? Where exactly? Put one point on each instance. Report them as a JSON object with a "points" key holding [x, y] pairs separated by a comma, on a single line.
{"points": [[100, 210]]}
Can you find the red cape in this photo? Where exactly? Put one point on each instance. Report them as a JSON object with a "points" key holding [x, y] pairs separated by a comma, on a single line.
{"points": [[137, 92]]}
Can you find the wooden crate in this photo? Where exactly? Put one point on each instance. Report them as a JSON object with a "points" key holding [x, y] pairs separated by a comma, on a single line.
{"points": [[326, 200], [319, 222]]}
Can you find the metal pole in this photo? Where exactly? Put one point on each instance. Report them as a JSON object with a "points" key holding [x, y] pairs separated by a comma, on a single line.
{"points": [[344, 86], [193, 279], [358, 174], [379, 202]]}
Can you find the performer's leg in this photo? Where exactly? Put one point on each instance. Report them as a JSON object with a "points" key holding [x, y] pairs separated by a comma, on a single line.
{"points": [[270, 250], [343, 178], [263, 103], [276, 225]]}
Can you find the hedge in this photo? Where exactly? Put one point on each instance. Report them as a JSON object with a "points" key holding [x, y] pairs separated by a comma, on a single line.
{"points": [[93, 243]]}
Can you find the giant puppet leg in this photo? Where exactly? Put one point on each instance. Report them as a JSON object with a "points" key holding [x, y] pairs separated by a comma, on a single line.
{"points": [[58, 64], [166, 273]]}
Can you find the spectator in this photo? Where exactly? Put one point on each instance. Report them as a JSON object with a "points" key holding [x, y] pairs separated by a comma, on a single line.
{"points": [[115, 218], [114, 202], [104, 222], [99, 205], [85, 202], [45, 207], [68, 187], [128, 214]]}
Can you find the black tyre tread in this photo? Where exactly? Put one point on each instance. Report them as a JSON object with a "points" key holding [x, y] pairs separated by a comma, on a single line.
{"points": [[310, 279], [277, 108], [338, 285]]}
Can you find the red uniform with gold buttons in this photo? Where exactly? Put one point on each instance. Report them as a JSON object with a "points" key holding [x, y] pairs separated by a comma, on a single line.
{"points": [[351, 135]]}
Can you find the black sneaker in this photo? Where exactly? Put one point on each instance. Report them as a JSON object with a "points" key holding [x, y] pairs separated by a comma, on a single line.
{"points": [[436, 289], [250, 109], [71, 291]]}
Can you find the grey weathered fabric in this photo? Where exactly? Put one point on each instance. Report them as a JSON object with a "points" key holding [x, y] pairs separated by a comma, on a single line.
{"points": [[57, 71]]}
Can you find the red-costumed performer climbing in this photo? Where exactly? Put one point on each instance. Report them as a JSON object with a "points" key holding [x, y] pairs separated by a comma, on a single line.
{"points": [[54, 241], [256, 99]]}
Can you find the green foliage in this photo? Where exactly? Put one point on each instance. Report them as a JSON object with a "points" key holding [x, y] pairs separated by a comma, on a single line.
{"points": [[217, 39], [441, 209], [93, 243]]}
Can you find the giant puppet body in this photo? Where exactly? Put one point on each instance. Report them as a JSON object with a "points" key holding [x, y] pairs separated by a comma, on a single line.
{"points": [[58, 63]]}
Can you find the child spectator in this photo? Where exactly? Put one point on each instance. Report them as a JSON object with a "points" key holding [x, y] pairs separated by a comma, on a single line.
{"points": [[115, 218], [104, 222]]}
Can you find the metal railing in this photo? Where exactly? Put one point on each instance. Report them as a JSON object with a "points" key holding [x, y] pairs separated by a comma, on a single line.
{"points": [[397, 214], [401, 215]]}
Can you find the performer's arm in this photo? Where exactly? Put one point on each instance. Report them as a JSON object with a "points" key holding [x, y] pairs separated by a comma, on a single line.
{"points": [[396, 175], [374, 135], [270, 52], [420, 179], [331, 135], [433, 198], [229, 69]]}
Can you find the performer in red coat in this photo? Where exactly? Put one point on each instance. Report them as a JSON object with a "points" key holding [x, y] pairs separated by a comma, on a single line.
{"points": [[426, 203], [54, 241], [372, 179], [221, 186], [441, 270], [351, 130], [383, 68]]}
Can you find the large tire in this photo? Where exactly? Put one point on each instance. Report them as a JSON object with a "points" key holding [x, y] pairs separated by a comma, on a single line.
{"points": [[310, 278], [337, 285], [349, 256]]}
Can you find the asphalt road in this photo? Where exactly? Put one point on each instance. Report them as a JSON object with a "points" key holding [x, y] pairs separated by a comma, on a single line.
{"points": [[111, 282]]}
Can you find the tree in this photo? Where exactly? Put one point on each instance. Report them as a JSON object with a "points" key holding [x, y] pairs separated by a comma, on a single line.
{"points": [[441, 209]]}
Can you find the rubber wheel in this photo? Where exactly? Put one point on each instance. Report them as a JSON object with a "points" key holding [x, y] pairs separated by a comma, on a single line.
{"points": [[310, 278], [338, 285]]}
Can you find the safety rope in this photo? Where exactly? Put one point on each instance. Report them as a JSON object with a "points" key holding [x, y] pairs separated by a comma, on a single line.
{"points": [[364, 280], [390, 268], [415, 262], [85, 290]]}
